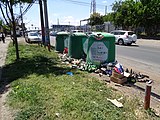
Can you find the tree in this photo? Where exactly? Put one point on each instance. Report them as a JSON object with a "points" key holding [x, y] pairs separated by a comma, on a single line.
{"points": [[8, 5], [151, 16], [1, 23], [3, 27], [124, 13], [96, 19], [108, 17], [130, 14]]}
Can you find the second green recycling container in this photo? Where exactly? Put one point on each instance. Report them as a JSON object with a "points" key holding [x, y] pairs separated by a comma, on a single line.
{"points": [[75, 46], [61, 41]]}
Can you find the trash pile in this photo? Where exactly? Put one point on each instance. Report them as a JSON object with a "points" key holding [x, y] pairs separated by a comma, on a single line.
{"points": [[113, 70]]}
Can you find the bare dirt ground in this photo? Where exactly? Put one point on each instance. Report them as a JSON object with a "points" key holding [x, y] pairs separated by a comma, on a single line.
{"points": [[5, 112]]}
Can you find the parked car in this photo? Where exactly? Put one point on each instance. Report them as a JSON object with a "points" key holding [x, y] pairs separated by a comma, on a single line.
{"points": [[124, 37], [53, 33], [75, 31], [0, 36], [33, 37]]}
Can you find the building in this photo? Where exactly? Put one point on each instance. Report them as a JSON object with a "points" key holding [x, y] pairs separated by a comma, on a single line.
{"points": [[59, 28]]}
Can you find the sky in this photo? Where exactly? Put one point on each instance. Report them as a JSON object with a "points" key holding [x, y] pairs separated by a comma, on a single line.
{"points": [[67, 12]]}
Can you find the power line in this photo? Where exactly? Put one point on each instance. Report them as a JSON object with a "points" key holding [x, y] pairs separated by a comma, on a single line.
{"points": [[82, 3], [2, 5], [26, 10]]}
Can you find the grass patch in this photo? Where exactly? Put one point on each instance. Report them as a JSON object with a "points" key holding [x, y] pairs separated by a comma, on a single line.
{"points": [[42, 90]]}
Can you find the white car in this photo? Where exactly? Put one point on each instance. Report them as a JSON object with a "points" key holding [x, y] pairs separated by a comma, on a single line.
{"points": [[124, 37], [0, 35], [33, 37], [75, 31]]}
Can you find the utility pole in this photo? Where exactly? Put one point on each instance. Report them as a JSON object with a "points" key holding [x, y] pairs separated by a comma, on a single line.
{"points": [[42, 21], [94, 6], [22, 24], [106, 10], [80, 24], [58, 21], [47, 37]]}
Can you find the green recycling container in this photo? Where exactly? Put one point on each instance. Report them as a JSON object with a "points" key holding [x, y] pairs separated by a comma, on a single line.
{"points": [[101, 48], [75, 45], [61, 41]]}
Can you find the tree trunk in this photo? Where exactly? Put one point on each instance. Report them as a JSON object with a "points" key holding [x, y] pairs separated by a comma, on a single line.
{"points": [[14, 33]]}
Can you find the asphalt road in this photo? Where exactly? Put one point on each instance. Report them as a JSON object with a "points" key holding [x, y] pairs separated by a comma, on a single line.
{"points": [[140, 53]]}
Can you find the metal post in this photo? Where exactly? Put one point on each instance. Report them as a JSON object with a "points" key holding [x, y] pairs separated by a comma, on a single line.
{"points": [[106, 10], [42, 21], [80, 24], [69, 26], [47, 37], [147, 96]]}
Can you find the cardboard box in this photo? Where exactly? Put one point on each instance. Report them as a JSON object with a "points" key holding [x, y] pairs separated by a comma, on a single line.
{"points": [[118, 80], [117, 75]]}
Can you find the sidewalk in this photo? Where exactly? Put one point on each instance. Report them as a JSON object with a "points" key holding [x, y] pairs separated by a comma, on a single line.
{"points": [[3, 53], [5, 114]]}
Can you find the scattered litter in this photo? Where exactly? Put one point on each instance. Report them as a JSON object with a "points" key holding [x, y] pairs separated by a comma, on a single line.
{"points": [[118, 78], [145, 80], [65, 51], [127, 70], [69, 73], [96, 104], [57, 114], [74, 66], [114, 70], [100, 74], [120, 98], [157, 114], [103, 69], [97, 71], [126, 74], [119, 68], [116, 103], [150, 81]]}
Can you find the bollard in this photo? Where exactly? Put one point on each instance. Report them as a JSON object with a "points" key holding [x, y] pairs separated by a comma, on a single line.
{"points": [[147, 96]]}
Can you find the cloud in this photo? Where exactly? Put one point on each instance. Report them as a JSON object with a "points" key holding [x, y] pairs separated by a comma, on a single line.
{"points": [[104, 2], [65, 20], [55, 14], [69, 20]]}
